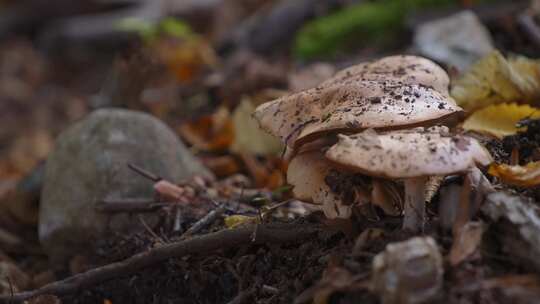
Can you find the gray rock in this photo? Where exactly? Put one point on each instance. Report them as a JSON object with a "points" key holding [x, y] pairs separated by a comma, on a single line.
{"points": [[458, 40], [408, 272], [89, 164], [516, 223]]}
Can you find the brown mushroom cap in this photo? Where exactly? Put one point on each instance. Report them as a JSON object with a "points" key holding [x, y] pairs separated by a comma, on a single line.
{"points": [[306, 173], [373, 98], [408, 153]]}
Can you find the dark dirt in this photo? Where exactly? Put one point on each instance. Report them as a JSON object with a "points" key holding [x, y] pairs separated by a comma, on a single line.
{"points": [[280, 273], [525, 144]]}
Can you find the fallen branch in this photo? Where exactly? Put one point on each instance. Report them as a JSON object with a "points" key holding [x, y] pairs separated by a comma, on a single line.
{"points": [[223, 239]]}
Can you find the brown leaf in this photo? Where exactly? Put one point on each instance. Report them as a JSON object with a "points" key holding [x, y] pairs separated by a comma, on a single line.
{"points": [[45, 299], [222, 166], [185, 58], [334, 279], [210, 133], [365, 238], [386, 195], [466, 242]]}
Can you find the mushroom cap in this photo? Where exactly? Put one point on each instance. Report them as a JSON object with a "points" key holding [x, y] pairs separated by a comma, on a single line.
{"points": [[307, 173], [408, 153], [375, 97], [400, 68]]}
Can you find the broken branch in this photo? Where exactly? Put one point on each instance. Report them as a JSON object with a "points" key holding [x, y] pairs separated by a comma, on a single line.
{"points": [[267, 233]]}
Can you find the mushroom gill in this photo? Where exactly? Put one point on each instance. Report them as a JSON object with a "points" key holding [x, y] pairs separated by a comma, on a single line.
{"points": [[412, 156]]}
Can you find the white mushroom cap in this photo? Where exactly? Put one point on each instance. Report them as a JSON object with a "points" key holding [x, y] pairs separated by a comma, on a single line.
{"points": [[352, 103], [401, 68], [306, 173], [408, 153]]}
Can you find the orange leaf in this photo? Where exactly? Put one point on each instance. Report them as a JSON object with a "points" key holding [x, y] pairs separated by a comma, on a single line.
{"points": [[522, 176], [222, 166], [210, 133]]}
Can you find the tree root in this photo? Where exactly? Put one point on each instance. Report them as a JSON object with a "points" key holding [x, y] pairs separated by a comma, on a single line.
{"points": [[223, 239]]}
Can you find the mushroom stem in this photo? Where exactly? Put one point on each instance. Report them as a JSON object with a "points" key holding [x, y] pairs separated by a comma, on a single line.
{"points": [[414, 209]]}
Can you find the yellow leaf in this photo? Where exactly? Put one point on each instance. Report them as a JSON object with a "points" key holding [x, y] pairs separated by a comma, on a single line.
{"points": [[522, 176], [236, 220], [248, 137], [499, 120], [495, 79]]}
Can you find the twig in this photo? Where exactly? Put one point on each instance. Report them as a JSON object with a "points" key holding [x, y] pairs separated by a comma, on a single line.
{"points": [[144, 173], [223, 239], [177, 225], [11, 292], [270, 289], [149, 230], [206, 220]]}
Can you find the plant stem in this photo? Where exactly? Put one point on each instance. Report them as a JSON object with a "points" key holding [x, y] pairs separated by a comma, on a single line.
{"points": [[415, 209]]}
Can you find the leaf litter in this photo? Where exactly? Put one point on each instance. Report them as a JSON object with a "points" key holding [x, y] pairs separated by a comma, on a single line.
{"points": [[333, 265]]}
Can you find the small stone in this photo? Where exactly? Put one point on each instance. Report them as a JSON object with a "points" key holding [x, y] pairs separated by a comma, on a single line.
{"points": [[517, 222], [89, 164], [408, 272], [457, 40]]}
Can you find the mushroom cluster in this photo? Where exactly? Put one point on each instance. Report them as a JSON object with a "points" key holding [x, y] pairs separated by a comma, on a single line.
{"points": [[374, 131]]}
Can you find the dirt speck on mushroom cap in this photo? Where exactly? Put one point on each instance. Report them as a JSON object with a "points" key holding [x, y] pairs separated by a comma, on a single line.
{"points": [[355, 105], [408, 153], [406, 69]]}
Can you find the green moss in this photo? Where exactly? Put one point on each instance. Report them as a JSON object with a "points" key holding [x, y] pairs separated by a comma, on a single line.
{"points": [[366, 23]]}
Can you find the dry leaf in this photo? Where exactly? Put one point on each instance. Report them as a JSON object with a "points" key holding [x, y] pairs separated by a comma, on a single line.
{"points": [[211, 133], [522, 176], [29, 149], [334, 279], [367, 237], [466, 242], [506, 281], [222, 166], [44, 299], [387, 195], [256, 169], [236, 220], [248, 137], [499, 120], [494, 79], [185, 58]]}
